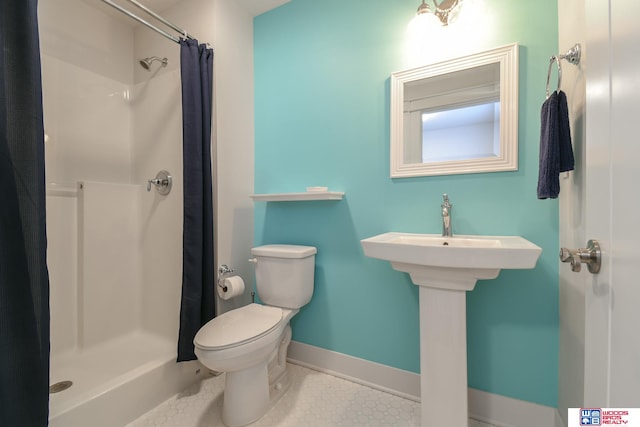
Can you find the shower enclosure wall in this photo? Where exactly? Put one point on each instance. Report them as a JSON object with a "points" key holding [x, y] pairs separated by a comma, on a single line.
{"points": [[115, 250]]}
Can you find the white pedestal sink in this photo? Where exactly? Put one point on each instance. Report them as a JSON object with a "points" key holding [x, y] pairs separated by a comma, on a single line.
{"points": [[445, 268]]}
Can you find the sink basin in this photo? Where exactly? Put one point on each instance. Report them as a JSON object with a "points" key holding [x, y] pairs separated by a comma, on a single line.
{"points": [[451, 262], [445, 268]]}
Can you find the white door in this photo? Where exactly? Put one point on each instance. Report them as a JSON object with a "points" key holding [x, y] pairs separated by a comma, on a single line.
{"points": [[600, 314], [624, 205]]}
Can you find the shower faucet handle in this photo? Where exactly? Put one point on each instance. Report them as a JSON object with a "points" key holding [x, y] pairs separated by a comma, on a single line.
{"points": [[163, 182], [154, 181]]}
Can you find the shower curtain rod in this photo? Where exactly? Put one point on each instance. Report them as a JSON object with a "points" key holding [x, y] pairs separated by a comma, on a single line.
{"points": [[149, 25]]}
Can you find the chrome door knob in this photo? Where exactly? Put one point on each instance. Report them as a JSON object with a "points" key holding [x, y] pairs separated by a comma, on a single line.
{"points": [[591, 255]]}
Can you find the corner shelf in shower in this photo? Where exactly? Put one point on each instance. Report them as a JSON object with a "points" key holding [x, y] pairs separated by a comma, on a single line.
{"points": [[297, 197]]}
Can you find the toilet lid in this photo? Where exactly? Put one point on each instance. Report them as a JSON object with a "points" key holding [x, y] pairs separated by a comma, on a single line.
{"points": [[238, 326]]}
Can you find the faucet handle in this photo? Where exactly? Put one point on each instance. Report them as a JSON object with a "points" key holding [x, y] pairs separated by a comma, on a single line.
{"points": [[446, 216]]}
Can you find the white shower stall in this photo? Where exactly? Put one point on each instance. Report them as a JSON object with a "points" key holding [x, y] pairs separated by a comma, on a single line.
{"points": [[114, 248]]}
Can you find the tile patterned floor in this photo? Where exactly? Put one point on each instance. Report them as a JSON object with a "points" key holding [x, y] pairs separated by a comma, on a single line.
{"points": [[314, 400]]}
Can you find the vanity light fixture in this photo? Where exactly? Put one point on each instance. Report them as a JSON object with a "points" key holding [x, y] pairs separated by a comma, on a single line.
{"points": [[444, 11]]}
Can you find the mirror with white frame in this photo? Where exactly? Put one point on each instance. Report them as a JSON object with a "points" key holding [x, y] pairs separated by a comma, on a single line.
{"points": [[457, 116]]}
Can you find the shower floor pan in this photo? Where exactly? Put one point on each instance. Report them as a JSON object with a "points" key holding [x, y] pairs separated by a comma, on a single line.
{"points": [[117, 381]]}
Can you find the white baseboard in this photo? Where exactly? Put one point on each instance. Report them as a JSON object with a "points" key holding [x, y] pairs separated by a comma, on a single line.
{"points": [[508, 412], [487, 407], [375, 375]]}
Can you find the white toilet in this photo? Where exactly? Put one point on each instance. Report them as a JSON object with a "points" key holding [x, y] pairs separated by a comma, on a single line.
{"points": [[250, 343]]}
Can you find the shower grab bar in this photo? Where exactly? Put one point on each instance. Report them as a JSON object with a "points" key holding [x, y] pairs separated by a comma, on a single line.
{"points": [[131, 15]]}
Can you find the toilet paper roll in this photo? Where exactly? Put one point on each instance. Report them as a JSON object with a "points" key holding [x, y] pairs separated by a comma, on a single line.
{"points": [[231, 287]]}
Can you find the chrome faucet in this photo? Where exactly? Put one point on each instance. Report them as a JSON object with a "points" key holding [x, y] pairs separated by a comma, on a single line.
{"points": [[446, 216]]}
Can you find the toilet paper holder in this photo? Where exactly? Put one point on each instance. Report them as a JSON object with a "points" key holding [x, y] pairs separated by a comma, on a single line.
{"points": [[223, 271]]}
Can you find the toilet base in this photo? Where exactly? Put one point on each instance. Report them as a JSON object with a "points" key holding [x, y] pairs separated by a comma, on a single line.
{"points": [[249, 393], [246, 396], [278, 387]]}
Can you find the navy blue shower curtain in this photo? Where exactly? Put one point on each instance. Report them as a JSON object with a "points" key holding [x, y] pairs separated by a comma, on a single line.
{"points": [[197, 306], [24, 280]]}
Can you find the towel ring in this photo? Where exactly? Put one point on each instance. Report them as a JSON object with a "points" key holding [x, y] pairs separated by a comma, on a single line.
{"points": [[553, 59], [572, 56]]}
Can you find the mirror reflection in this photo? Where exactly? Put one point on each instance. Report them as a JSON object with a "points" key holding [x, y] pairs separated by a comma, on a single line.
{"points": [[460, 133], [459, 116]]}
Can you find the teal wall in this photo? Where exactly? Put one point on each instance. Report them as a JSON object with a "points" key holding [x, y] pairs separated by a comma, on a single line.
{"points": [[322, 118]]}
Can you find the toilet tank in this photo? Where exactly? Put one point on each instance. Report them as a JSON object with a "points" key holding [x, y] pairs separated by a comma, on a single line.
{"points": [[284, 274]]}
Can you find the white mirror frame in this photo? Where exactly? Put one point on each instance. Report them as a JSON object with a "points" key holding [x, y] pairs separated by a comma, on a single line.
{"points": [[507, 57]]}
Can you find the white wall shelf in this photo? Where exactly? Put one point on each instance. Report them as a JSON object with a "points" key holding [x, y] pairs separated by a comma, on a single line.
{"points": [[295, 197]]}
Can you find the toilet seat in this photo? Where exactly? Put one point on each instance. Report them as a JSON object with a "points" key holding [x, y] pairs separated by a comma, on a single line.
{"points": [[238, 327]]}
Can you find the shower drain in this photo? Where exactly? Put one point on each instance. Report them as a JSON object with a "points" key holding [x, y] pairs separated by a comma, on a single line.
{"points": [[60, 386]]}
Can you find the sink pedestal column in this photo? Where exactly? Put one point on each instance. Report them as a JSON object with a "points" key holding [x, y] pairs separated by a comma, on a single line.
{"points": [[443, 357]]}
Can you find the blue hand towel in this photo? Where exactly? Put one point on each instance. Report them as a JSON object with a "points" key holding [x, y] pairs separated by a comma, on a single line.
{"points": [[549, 164], [567, 162], [556, 153]]}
